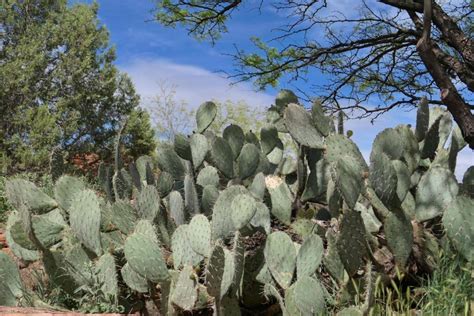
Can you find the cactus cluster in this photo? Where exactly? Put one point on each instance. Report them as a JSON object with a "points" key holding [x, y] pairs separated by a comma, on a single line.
{"points": [[238, 220]]}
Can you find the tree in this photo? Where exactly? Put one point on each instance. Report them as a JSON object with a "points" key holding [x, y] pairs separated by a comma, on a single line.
{"points": [[238, 113], [58, 84], [172, 116], [393, 52], [169, 115]]}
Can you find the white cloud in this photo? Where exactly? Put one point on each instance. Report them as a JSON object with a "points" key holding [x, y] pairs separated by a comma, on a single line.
{"points": [[194, 84]]}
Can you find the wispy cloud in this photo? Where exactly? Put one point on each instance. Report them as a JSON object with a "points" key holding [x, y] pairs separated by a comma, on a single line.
{"points": [[194, 84]]}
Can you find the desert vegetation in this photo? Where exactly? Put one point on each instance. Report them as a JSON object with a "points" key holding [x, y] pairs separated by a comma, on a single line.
{"points": [[226, 214]]}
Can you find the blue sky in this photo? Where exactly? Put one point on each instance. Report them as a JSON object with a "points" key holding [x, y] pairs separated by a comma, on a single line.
{"points": [[151, 54]]}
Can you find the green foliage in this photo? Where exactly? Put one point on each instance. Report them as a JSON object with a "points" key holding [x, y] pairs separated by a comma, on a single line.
{"points": [[46, 47]]}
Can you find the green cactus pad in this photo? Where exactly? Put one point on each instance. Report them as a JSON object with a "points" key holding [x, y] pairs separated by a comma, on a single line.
{"points": [[146, 227], [408, 206], [11, 287], [411, 154], [222, 157], [191, 199], [229, 306], [176, 208], [257, 188], [112, 241], [22, 192], [149, 175], [268, 139], [290, 303], [264, 276], [84, 217], [65, 189], [403, 178], [351, 242], [431, 141], [348, 179], [222, 225], [457, 221], [383, 179], [144, 256], [445, 128], [47, 231], [199, 235], [389, 142], [148, 203], [107, 275], [280, 256], [182, 146], [199, 149], [19, 251], [338, 145], [243, 208], [261, 217], [276, 155], [333, 198], [238, 255], [124, 216], [142, 163], [250, 137], [205, 115], [229, 272], [20, 237], [248, 161], [399, 235], [321, 121], [77, 264], [134, 280], [164, 183], [135, 175], [215, 272], [309, 296], [299, 124], [454, 149], [209, 197], [169, 161], [183, 253], [281, 198], [185, 292], [234, 135], [208, 176], [436, 189], [283, 98], [371, 222], [105, 175], [309, 256], [468, 181], [422, 119]]}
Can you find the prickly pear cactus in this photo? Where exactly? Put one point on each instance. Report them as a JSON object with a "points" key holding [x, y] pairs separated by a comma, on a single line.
{"points": [[228, 221]]}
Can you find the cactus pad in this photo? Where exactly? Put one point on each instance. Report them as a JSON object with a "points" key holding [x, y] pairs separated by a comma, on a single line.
{"points": [[457, 221], [300, 125], [280, 256], [309, 256], [436, 189], [144, 256], [65, 189], [243, 208], [205, 115], [199, 235], [84, 217]]}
